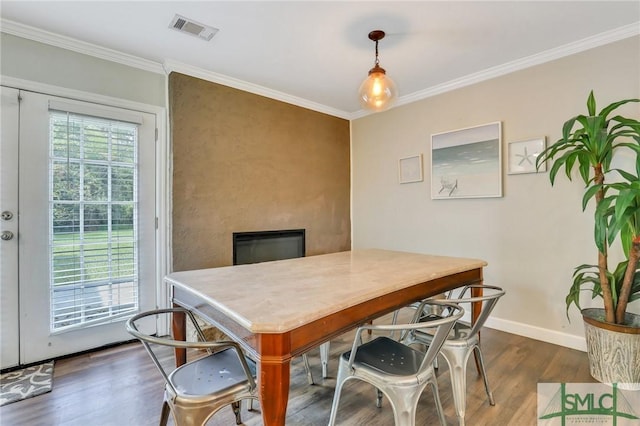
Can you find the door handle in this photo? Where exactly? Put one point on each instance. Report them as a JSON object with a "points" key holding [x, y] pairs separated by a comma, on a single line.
{"points": [[6, 235]]}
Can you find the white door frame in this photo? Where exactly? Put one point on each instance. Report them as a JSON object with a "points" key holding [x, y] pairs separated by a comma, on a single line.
{"points": [[163, 162]]}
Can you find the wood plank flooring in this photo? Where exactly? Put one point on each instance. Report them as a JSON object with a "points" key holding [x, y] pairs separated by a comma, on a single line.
{"points": [[120, 387]]}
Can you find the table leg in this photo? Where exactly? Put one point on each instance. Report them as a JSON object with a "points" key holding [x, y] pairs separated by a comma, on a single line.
{"points": [[179, 328], [274, 391]]}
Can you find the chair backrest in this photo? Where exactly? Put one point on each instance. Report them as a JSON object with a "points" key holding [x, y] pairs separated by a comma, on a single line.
{"points": [[438, 326], [490, 296], [448, 312], [211, 347]]}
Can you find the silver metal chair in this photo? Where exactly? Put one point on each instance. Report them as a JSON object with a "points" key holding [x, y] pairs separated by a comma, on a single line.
{"points": [[462, 341], [196, 390], [324, 359], [398, 371]]}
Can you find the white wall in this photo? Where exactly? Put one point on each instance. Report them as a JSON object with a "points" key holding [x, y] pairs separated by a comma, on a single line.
{"points": [[534, 235]]}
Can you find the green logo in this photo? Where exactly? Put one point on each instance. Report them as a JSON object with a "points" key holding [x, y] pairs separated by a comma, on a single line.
{"points": [[587, 403]]}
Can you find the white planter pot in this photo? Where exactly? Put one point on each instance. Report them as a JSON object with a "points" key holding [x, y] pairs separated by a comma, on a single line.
{"points": [[614, 350]]}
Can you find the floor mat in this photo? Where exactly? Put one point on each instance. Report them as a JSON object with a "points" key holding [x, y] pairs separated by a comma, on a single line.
{"points": [[26, 383]]}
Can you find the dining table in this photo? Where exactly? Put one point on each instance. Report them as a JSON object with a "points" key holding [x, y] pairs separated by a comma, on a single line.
{"points": [[281, 309]]}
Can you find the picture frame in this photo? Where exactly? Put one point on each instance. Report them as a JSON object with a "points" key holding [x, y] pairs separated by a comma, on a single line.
{"points": [[467, 163], [523, 155], [410, 169]]}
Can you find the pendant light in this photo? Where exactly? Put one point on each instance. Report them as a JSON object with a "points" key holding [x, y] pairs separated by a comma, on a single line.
{"points": [[378, 92]]}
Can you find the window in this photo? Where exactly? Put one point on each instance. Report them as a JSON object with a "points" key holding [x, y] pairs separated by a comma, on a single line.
{"points": [[93, 236]]}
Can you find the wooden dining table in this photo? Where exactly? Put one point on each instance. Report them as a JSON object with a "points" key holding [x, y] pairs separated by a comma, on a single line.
{"points": [[281, 309]]}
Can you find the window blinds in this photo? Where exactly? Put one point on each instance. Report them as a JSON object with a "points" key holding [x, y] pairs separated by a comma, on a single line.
{"points": [[93, 236]]}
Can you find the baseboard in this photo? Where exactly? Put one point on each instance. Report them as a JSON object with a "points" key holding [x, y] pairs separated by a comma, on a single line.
{"points": [[538, 333]]}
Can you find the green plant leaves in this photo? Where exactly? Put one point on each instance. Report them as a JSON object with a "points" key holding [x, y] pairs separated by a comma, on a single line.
{"points": [[588, 143], [607, 110], [591, 104], [586, 278]]}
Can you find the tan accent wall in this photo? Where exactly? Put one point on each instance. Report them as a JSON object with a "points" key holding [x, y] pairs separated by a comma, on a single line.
{"points": [[243, 162]]}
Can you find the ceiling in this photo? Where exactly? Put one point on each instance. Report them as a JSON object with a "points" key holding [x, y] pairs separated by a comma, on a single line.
{"points": [[316, 53]]}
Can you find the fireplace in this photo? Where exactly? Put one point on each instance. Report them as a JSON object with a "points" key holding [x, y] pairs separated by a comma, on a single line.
{"points": [[264, 246]]}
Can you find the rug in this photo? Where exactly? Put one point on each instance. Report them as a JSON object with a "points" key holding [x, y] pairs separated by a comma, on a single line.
{"points": [[26, 383]]}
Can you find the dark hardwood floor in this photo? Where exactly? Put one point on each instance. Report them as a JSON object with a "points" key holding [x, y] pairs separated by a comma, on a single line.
{"points": [[120, 387]]}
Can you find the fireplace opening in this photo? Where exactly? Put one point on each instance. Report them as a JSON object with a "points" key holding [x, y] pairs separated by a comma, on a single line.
{"points": [[264, 246]]}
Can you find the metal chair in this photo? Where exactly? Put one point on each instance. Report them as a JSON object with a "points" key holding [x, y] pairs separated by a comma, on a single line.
{"points": [[324, 359], [396, 370], [196, 390], [461, 342]]}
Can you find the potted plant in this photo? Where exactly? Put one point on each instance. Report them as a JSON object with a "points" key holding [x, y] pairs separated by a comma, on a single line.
{"points": [[588, 143]]}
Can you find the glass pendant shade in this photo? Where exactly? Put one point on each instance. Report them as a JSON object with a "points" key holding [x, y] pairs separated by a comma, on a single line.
{"points": [[378, 92]]}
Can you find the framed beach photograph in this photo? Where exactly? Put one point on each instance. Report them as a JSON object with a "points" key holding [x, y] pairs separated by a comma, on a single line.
{"points": [[523, 156], [467, 163], [410, 169]]}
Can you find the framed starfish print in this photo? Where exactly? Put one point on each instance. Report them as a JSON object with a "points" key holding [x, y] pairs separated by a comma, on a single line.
{"points": [[523, 156]]}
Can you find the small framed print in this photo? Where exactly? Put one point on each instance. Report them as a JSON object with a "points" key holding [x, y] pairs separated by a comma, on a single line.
{"points": [[410, 169], [523, 156]]}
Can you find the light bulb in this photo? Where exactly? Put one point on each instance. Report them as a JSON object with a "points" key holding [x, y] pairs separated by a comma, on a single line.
{"points": [[378, 92]]}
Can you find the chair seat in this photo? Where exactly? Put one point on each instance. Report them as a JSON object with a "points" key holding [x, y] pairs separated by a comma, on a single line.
{"points": [[388, 356], [211, 374], [460, 335]]}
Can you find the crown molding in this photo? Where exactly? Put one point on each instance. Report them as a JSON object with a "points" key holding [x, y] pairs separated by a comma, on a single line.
{"points": [[559, 52], [75, 45], [175, 66]]}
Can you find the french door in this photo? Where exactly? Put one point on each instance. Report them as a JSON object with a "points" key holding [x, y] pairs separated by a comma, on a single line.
{"points": [[9, 337], [78, 183]]}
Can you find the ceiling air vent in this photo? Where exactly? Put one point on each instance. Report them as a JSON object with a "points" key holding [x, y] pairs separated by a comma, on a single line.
{"points": [[188, 26]]}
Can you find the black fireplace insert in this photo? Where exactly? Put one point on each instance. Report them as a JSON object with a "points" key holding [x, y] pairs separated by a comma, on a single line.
{"points": [[264, 246]]}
